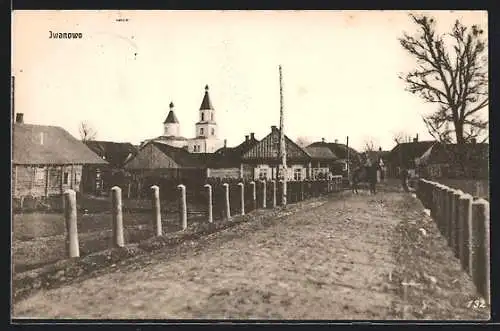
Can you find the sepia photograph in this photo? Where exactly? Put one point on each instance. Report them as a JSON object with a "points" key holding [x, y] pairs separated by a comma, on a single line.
{"points": [[328, 165]]}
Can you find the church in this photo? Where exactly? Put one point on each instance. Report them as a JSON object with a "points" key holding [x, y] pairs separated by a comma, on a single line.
{"points": [[206, 131]]}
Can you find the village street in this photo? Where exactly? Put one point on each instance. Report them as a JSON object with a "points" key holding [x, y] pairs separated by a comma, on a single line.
{"points": [[340, 257]]}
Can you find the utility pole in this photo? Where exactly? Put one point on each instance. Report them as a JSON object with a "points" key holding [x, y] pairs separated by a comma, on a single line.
{"points": [[348, 166], [282, 141]]}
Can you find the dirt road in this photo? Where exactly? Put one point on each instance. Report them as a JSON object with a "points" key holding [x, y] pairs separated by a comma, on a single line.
{"points": [[331, 260]]}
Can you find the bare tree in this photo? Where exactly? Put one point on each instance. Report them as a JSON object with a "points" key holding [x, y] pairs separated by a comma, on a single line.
{"points": [[369, 146], [303, 141], [401, 137], [87, 132], [452, 73]]}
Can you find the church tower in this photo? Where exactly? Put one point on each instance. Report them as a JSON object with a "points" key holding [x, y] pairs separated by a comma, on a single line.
{"points": [[206, 127], [171, 125]]}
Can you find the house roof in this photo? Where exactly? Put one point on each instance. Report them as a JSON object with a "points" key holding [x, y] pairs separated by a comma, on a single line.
{"points": [[43, 144], [180, 155], [446, 153], [171, 118], [339, 150], [115, 153], [321, 152], [407, 152], [206, 103], [268, 149], [231, 156]]}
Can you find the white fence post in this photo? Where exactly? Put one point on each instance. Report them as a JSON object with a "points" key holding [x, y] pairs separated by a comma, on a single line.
{"points": [[155, 201], [210, 210], [70, 216], [183, 206], [116, 199]]}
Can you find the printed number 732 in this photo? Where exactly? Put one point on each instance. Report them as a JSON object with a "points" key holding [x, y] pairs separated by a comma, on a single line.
{"points": [[476, 304]]}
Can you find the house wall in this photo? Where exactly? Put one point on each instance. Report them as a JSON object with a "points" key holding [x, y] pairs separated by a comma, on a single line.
{"points": [[224, 173], [270, 171], [206, 145], [42, 181]]}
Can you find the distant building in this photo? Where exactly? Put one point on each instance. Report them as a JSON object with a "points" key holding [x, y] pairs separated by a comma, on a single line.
{"points": [[263, 159], [98, 178], [403, 156], [442, 161], [227, 162], [342, 153], [47, 160], [206, 139]]}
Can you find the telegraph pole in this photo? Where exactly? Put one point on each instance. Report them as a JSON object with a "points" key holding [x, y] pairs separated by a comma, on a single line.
{"points": [[348, 165], [282, 141]]}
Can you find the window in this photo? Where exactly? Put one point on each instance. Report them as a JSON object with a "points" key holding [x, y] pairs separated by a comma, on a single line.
{"points": [[213, 132], [65, 178], [39, 174], [263, 173], [297, 174], [212, 117], [202, 116], [201, 132]]}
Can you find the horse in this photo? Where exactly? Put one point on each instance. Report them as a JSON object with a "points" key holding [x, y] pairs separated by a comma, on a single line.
{"points": [[365, 174]]}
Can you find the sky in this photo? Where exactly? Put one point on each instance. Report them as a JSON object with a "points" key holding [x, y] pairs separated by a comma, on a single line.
{"points": [[340, 72]]}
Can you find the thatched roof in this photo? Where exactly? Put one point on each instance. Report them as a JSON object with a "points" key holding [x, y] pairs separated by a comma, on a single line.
{"points": [[43, 144]]}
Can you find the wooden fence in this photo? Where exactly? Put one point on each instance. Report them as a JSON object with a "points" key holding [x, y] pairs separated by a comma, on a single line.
{"points": [[465, 222], [221, 200]]}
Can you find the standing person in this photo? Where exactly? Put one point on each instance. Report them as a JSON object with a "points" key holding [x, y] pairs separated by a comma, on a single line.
{"points": [[404, 180]]}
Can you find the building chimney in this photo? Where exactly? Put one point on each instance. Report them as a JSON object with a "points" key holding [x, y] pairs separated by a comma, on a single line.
{"points": [[19, 118], [380, 149], [252, 136], [246, 138], [274, 128], [225, 143]]}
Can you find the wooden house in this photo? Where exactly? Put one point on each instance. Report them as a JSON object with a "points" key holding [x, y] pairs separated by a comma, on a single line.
{"points": [[442, 161], [343, 153], [98, 178], [403, 156], [323, 161], [47, 160], [157, 162], [263, 159], [227, 162]]}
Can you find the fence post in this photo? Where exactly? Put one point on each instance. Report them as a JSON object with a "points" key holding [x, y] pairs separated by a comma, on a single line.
{"points": [[183, 206], [441, 209], [302, 197], [434, 204], [480, 248], [155, 201], [274, 193], [455, 222], [227, 205], [116, 201], [446, 213], [73, 248], [264, 194], [242, 192], [209, 194], [464, 221], [451, 211], [254, 195]]}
